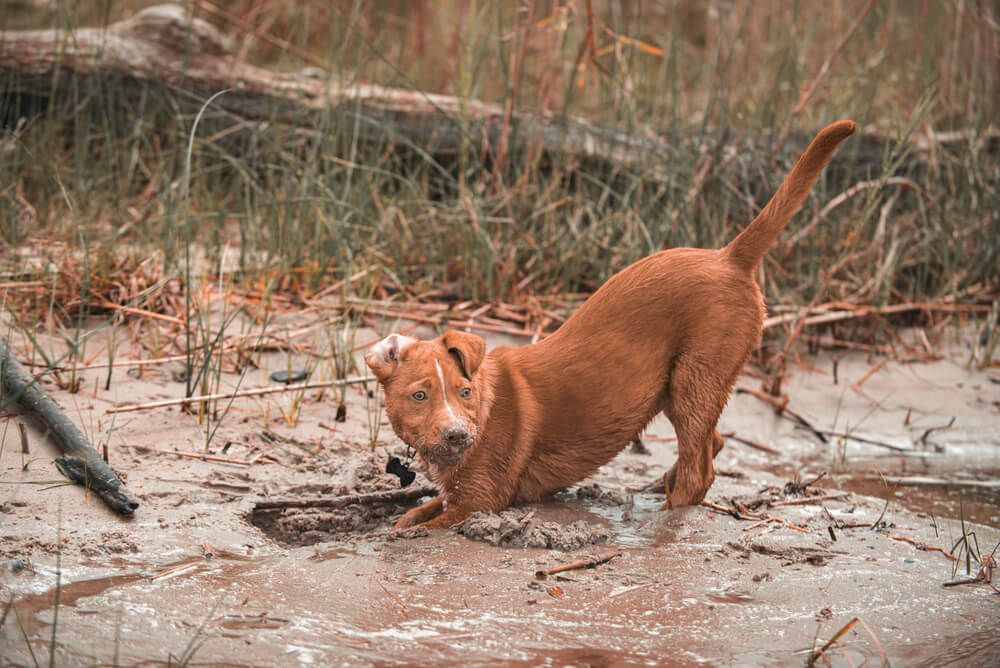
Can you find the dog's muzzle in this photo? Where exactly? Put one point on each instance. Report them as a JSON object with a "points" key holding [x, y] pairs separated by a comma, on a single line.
{"points": [[455, 440]]}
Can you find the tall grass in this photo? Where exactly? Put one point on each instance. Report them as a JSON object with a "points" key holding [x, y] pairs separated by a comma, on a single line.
{"points": [[101, 174]]}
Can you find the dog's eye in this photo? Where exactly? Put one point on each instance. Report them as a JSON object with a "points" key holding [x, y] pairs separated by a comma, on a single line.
{"points": [[465, 392], [420, 395]]}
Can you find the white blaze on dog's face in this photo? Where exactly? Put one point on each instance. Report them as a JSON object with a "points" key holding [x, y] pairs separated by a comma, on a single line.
{"points": [[431, 396]]}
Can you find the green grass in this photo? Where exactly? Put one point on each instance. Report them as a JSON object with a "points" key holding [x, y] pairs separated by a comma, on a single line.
{"points": [[163, 174]]}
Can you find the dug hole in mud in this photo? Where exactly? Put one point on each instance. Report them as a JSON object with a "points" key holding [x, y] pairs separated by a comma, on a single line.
{"points": [[201, 573]]}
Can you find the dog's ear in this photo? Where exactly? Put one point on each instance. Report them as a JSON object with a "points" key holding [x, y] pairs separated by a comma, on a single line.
{"points": [[468, 348], [383, 358]]}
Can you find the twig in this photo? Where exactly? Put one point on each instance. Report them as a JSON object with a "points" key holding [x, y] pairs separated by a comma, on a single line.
{"points": [[131, 310], [781, 407], [829, 643], [732, 512], [923, 438], [825, 316], [589, 562], [395, 598], [272, 389], [868, 374], [746, 515], [753, 444], [922, 546], [388, 496], [811, 499], [843, 197], [193, 455], [860, 439]]}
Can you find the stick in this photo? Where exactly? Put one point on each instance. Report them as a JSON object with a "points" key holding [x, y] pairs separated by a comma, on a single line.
{"points": [[922, 546], [811, 499], [859, 439], [762, 519], [781, 406], [860, 312], [843, 197], [752, 444], [260, 391], [589, 562], [388, 496], [81, 463], [829, 643], [204, 456]]}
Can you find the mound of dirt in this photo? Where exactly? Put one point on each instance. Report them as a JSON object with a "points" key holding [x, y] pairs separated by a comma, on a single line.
{"points": [[514, 528]]}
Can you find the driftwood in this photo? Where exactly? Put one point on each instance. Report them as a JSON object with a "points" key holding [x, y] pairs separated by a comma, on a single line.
{"points": [[81, 463], [164, 45]]}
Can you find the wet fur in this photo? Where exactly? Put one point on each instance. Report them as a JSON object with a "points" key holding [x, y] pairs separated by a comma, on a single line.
{"points": [[668, 334]]}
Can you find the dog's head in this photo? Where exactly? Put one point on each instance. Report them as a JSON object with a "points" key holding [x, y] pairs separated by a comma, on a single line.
{"points": [[431, 395]]}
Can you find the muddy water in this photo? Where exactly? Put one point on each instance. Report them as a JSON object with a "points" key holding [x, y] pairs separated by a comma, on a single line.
{"points": [[976, 501], [701, 591], [691, 586]]}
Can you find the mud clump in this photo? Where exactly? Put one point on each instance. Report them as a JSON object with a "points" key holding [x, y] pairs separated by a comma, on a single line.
{"points": [[516, 529], [594, 493]]}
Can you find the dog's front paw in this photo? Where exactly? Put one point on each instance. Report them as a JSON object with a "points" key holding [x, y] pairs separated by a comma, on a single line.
{"points": [[411, 519]]}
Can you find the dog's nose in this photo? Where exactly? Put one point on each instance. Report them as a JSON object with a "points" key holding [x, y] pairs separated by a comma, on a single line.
{"points": [[455, 435]]}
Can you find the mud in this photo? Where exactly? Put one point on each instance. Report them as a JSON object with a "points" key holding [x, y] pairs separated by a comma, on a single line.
{"points": [[515, 528], [197, 568]]}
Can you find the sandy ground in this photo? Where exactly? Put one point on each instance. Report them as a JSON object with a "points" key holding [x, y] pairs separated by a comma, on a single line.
{"points": [[197, 573]]}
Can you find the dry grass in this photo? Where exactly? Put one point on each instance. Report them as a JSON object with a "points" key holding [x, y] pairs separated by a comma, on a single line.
{"points": [[98, 218]]}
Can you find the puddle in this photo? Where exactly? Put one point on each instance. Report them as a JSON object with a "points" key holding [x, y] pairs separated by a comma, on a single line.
{"points": [[944, 499], [730, 597], [70, 593], [626, 530]]}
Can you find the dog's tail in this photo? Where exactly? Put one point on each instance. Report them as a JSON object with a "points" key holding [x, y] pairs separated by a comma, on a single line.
{"points": [[748, 248]]}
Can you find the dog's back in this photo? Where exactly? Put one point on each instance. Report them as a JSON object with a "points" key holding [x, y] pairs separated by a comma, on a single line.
{"points": [[613, 366]]}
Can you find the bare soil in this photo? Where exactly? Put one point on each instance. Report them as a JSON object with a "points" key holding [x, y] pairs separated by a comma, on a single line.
{"points": [[198, 572]]}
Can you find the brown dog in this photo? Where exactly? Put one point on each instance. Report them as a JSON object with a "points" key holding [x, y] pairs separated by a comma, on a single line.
{"points": [[668, 334]]}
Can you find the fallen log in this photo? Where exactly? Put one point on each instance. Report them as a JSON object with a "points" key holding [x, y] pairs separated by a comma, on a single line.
{"points": [[163, 44], [81, 463]]}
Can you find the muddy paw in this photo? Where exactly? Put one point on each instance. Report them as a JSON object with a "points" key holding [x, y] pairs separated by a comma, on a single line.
{"points": [[411, 519]]}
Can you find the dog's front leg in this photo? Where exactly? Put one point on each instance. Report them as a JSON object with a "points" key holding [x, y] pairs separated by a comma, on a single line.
{"points": [[453, 515], [489, 498], [421, 513]]}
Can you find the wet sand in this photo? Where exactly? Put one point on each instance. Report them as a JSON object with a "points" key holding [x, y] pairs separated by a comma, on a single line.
{"points": [[198, 570]]}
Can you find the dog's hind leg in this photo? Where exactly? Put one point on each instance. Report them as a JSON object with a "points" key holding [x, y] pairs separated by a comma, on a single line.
{"points": [[698, 393]]}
